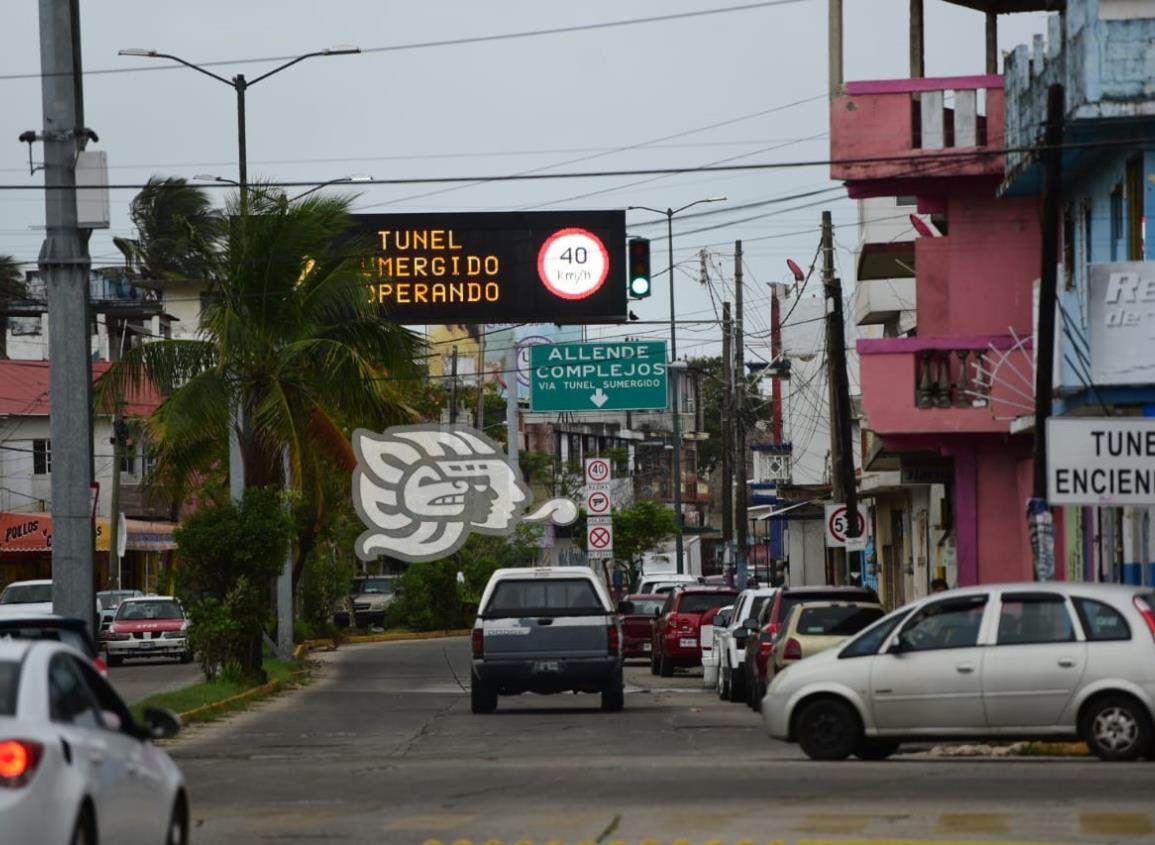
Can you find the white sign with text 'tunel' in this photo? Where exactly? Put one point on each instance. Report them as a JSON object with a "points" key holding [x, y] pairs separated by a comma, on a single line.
{"points": [[1101, 461]]}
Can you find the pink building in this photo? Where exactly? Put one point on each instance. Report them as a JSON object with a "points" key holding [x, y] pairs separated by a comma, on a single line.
{"points": [[928, 395]]}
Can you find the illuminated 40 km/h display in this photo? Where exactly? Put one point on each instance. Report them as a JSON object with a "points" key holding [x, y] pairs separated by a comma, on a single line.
{"points": [[496, 267]]}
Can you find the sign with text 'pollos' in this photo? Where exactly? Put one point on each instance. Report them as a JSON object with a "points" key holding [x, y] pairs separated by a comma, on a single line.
{"points": [[1101, 461], [496, 267], [625, 375]]}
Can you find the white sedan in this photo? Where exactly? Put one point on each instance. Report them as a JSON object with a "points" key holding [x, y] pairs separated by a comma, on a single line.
{"points": [[75, 767], [1055, 660]]}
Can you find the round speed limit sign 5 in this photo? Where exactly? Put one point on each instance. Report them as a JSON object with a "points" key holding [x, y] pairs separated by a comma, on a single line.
{"points": [[573, 263]]}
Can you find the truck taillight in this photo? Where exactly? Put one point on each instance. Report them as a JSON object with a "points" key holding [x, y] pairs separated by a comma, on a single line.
{"points": [[477, 642], [792, 650], [613, 638], [1146, 611]]}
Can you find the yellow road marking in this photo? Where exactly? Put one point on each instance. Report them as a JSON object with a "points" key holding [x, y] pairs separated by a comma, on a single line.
{"points": [[1116, 824], [973, 823], [816, 823]]}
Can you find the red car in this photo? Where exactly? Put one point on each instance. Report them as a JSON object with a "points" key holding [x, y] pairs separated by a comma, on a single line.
{"points": [[638, 613], [760, 635], [676, 632]]}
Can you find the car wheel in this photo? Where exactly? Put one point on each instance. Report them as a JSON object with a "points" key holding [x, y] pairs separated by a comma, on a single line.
{"points": [[665, 666], [723, 685], [653, 663], [875, 749], [178, 824], [737, 691], [85, 831], [614, 696], [482, 696], [186, 657], [115, 660], [828, 729], [1117, 727]]}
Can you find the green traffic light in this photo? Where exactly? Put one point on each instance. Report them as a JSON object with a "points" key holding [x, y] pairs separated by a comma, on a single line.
{"points": [[640, 287]]}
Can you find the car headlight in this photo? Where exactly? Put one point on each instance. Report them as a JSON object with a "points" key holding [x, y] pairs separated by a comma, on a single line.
{"points": [[173, 635]]}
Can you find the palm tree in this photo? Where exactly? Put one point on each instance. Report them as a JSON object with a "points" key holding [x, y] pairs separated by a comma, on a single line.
{"points": [[288, 337], [179, 232], [12, 289]]}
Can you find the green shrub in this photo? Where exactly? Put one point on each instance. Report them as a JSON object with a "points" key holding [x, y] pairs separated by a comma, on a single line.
{"points": [[428, 598]]}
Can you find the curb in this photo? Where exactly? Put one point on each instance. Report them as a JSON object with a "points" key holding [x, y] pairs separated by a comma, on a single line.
{"points": [[329, 645], [263, 691]]}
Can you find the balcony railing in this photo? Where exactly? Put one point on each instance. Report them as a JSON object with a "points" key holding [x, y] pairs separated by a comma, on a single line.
{"points": [[951, 378]]}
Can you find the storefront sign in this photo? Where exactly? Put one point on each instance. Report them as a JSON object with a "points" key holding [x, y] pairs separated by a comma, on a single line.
{"points": [[32, 532], [1122, 323], [490, 267], [1101, 461]]}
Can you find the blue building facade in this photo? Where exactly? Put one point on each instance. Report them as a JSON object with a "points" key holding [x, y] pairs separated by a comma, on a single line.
{"points": [[1103, 53]]}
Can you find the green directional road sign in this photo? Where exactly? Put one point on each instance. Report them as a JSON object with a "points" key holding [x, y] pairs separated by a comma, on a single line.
{"points": [[625, 375]]}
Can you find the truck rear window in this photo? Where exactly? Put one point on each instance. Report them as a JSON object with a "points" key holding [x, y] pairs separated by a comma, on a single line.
{"points": [[9, 684], [540, 597], [701, 602]]}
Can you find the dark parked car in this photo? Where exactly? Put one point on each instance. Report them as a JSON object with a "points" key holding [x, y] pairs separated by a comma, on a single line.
{"points": [[638, 612], [761, 634], [72, 632], [678, 629]]}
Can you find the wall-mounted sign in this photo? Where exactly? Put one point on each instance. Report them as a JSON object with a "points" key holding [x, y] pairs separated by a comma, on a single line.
{"points": [[1122, 322], [1101, 461], [489, 267], [837, 525]]}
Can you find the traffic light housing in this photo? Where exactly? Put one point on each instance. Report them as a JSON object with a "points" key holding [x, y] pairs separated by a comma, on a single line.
{"points": [[641, 285]]}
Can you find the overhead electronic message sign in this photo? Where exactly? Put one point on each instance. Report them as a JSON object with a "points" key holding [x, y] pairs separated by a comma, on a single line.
{"points": [[478, 267]]}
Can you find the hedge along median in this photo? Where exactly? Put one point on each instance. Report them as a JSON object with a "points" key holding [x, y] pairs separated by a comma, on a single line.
{"points": [[204, 701]]}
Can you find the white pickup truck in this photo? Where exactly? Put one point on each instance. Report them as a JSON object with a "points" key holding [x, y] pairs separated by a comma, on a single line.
{"points": [[546, 630]]}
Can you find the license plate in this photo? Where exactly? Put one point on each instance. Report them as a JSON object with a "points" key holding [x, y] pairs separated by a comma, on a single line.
{"points": [[546, 666], [146, 645], [647, 646], [687, 643]]}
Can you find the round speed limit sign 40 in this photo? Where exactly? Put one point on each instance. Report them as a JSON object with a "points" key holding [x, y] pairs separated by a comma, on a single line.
{"points": [[573, 263]]}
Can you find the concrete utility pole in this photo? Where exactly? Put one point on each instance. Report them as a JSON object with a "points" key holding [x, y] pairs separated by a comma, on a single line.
{"points": [[453, 388], [119, 441], [479, 421], [834, 47], [727, 439], [1039, 517], [511, 406], [843, 485], [741, 516], [917, 27], [64, 265]]}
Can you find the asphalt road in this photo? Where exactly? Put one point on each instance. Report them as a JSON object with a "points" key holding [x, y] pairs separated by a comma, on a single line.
{"points": [[383, 748], [138, 679]]}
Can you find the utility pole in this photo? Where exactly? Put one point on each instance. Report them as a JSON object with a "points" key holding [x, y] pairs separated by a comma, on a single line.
{"points": [[727, 440], [453, 388], [843, 485], [1039, 517], [741, 516], [64, 265], [834, 46], [479, 421], [511, 407], [118, 440]]}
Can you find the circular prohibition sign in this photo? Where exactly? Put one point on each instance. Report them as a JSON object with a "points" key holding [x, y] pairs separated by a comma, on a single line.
{"points": [[838, 524], [573, 263], [599, 537], [598, 502]]}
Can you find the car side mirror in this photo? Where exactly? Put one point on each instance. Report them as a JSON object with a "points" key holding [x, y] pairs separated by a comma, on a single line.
{"points": [[750, 625], [898, 646], [740, 636], [625, 607], [161, 723], [657, 612]]}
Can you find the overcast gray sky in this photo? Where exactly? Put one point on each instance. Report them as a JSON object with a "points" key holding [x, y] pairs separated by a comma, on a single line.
{"points": [[563, 102]]}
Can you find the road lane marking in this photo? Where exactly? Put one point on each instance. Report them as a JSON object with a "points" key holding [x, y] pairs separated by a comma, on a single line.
{"points": [[1116, 824], [973, 823], [822, 823]]}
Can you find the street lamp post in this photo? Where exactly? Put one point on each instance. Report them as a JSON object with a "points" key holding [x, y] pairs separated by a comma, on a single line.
{"points": [[675, 411], [340, 180], [239, 84]]}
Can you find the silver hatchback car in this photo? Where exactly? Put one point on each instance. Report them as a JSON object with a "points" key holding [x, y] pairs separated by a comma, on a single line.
{"points": [[999, 661]]}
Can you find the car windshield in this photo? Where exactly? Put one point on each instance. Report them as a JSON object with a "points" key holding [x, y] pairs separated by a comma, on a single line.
{"points": [[836, 621], [68, 636], [701, 602], [9, 683], [26, 593], [544, 596], [646, 607], [132, 610], [869, 641], [372, 585], [794, 598]]}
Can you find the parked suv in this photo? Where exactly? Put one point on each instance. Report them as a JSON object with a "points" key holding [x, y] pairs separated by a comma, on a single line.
{"points": [[731, 681], [371, 596], [760, 635], [546, 630], [677, 633]]}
